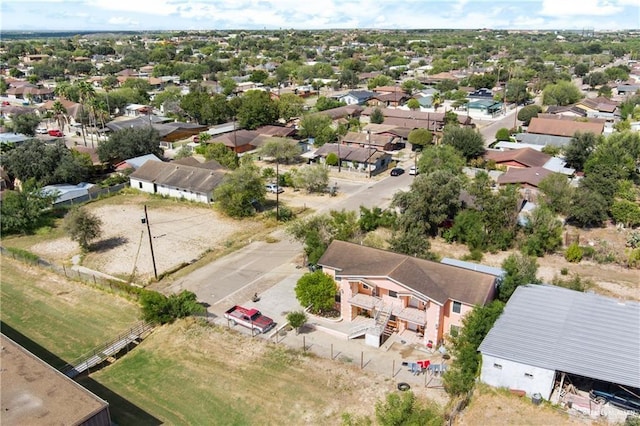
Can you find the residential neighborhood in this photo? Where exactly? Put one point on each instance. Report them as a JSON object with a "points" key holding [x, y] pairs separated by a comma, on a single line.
{"points": [[438, 217]]}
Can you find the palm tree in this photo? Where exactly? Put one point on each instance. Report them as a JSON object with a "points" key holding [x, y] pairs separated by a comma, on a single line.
{"points": [[60, 113], [87, 93]]}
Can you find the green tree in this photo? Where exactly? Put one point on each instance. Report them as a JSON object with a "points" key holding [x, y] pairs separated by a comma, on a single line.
{"points": [[315, 125], [47, 163], [312, 178], [519, 270], [82, 226], [403, 409], [371, 219], [461, 376], [626, 212], [290, 105], [579, 149], [517, 91], [543, 233], [581, 69], [378, 81], [281, 150], [503, 134], [257, 109], [377, 117], [411, 86], [413, 104], [527, 113], [22, 211], [130, 143], [223, 155], [420, 138], [240, 190], [561, 93], [228, 86], [468, 141], [316, 290], [440, 157], [588, 208], [556, 193], [25, 124], [258, 76], [170, 95], [468, 228], [323, 103], [296, 319], [332, 159]]}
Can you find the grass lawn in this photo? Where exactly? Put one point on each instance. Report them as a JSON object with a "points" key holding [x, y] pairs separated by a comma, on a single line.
{"points": [[189, 373], [64, 317]]}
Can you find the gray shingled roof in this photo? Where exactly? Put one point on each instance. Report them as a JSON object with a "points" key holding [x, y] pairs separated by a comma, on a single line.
{"points": [[432, 279], [195, 179], [569, 331]]}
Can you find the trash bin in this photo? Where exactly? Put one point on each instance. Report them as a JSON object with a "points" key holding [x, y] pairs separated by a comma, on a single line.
{"points": [[536, 398]]}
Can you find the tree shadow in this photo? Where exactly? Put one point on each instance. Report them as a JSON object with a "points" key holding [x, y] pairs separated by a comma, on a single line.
{"points": [[122, 411], [108, 244]]}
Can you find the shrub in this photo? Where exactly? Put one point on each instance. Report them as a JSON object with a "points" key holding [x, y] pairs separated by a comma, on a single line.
{"points": [[564, 271], [332, 159], [160, 309], [573, 283], [573, 253], [296, 319], [503, 134]]}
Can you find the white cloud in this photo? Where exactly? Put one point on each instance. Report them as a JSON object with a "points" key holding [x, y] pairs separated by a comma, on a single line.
{"points": [[122, 21], [580, 7]]}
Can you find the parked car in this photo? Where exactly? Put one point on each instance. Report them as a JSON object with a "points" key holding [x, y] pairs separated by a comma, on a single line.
{"points": [[41, 130], [619, 398], [397, 171], [413, 171], [5, 103], [250, 318], [56, 133], [273, 188]]}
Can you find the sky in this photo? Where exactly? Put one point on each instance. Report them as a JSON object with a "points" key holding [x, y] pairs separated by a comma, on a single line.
{"points": [[138, 15]]}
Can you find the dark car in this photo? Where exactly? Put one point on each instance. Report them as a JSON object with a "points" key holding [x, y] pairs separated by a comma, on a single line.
{"points": [[619, 398], [397, 171]]}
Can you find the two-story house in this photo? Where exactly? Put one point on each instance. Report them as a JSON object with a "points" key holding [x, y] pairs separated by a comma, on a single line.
{"points": [[400, 292]]}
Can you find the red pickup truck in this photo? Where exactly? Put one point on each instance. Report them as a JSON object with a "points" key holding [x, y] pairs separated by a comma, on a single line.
{"points": [[250, 318]]}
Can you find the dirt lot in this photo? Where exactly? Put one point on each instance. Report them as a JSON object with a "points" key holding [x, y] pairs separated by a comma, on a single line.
{"points": [[609, 279], [181, 233], [495, 407]]}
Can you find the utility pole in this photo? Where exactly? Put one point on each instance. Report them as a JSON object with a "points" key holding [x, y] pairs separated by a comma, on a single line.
{"points": [[277, 189], [145, 219], [369, 152]]}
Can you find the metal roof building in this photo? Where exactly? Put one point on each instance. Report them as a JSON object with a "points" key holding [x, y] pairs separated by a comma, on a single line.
{"points": [[546, 330]]}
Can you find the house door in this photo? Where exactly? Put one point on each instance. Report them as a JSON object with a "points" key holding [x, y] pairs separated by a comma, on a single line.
{"points": [[155, 188]]}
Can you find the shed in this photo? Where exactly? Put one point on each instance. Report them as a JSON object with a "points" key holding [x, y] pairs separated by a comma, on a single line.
{"points": [[545, 330]]}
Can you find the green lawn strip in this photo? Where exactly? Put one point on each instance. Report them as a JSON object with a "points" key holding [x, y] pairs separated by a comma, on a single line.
{"points": [[193, 388], [173, 390], [67, 318]]}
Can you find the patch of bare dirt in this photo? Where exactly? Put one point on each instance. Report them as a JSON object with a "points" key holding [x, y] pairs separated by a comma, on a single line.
{"points": [[610, 279], [181, 233], [494, 407]]}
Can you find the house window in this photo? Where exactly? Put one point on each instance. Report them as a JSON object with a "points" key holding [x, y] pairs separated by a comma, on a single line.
{"points": [[457, 307], [364, 286], [528, 375], [393, 293], [454, 331], [140, 185], [498, 366]]}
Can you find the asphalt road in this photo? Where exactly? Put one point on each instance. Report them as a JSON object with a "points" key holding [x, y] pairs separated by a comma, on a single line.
{"points": [[259, 265]]}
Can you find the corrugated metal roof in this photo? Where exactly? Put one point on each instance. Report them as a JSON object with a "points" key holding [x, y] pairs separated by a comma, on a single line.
{"points": [[496, 272], [566, 330]]}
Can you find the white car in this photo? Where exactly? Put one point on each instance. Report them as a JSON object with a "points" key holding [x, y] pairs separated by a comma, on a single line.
{"points": [[273, 188], [413, 171], [41, 130]]}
